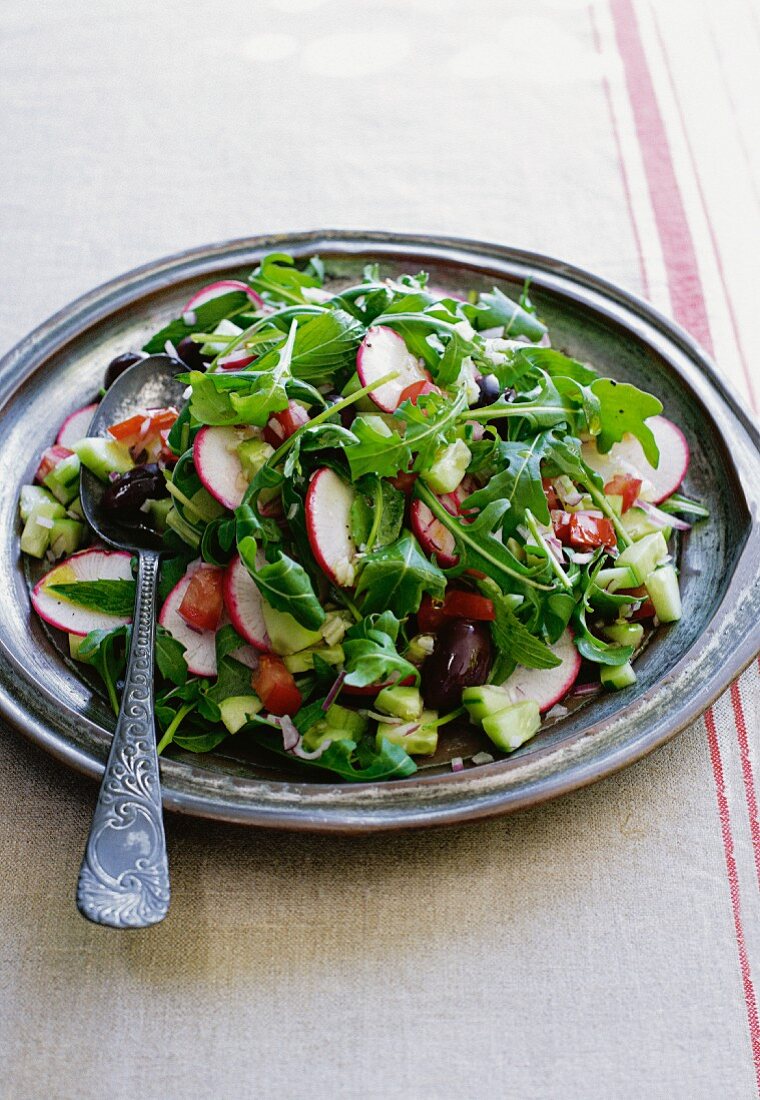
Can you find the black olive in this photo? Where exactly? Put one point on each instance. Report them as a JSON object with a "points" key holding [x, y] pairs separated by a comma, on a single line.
{"points": [[128, 492], [490, 390], [189, 351], [118, 365], [462, 658]]}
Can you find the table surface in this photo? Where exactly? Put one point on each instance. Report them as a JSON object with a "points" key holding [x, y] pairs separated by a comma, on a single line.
{"points": [[607, 945]]}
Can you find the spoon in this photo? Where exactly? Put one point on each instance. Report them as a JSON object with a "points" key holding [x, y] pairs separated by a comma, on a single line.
{"points": [[124, 877]]}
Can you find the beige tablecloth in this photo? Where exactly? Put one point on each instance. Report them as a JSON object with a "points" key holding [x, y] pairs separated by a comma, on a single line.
{"points": [[605, 946]]}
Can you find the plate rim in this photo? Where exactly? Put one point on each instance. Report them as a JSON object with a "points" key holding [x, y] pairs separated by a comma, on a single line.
{"points": [[476, 795]]}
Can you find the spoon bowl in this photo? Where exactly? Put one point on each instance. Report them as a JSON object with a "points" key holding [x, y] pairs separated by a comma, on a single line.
{"points": [[124, 877]]}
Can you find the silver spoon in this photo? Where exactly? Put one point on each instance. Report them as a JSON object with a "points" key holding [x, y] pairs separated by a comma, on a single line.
{"points": [[124, 877]]}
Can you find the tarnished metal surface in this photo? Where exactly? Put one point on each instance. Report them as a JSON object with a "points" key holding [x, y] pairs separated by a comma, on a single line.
{"points": [[59, 366]]}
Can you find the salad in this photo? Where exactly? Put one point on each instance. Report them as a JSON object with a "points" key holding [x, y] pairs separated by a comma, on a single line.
{"points": [[383, 508]]}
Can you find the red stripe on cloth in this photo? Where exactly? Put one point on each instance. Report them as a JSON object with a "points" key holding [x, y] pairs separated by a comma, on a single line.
{"points": [[621, 161], [689, 309], [733, 883], [705, 211], [670, 217], [749, 786]]}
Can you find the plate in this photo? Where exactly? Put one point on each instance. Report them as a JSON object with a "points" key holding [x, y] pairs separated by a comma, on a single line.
{"points": [[684, 668]]}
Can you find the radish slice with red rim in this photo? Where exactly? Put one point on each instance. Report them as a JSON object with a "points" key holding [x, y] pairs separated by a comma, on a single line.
{"points": [[328, 525], [86, 565], [547, 685], [218, 465], [76, 426], [382, 351], [215, 290], [200, 645], [244, 603], [627, 457]]}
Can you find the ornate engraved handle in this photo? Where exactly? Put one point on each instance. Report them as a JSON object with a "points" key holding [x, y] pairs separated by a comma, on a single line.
{"points": [[124, 878]]}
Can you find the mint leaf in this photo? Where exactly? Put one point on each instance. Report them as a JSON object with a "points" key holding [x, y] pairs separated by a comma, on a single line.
{"points": [[284, 584], [170, 657], [495, 309], [112, 597]]}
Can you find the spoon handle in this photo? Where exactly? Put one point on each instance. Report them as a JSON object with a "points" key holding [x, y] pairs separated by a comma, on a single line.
{"points": [[124, 878]]}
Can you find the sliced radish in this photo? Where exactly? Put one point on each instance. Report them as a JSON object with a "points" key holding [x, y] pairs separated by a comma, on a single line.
{"points": [[431, 534], [87, 565], [218, 464], [200, 645], [236, 360], [214, 290], [50, 459], [243, 602], [328, 525], [382, 351], [627, 457], [76, 426], [547, 685]]}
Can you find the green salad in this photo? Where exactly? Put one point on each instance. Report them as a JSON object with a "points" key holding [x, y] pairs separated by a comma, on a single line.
{"points": [[383, 507]]}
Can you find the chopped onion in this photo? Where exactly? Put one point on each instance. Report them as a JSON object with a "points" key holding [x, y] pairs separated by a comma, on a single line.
{"points": [[214, 290], [483, 758], [557, 711], [190, 318], [587, 689], [299, 750], [583, 559], [170, 350], [457, 764], [44, 521], [662, 519], [544, 342], [389, 719], [290, 735]]}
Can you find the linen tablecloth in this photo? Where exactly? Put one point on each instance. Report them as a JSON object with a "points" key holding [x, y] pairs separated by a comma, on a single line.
{"points": [[604, 946]]}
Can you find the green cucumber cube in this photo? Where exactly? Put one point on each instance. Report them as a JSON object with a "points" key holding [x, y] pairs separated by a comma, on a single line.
{"points": [[617, 677], [662, 586], [35, 538], [643, 556], [66, 536], [484, 701], [449, 467], [513, 726], [303, 661], [253, 453], [237, 709], [103, 456], [624, 633], [30, 496], [402, 702], [63, 479], [419, 738]]}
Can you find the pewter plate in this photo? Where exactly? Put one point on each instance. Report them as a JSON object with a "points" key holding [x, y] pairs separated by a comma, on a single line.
{"points": [[59, 367]]}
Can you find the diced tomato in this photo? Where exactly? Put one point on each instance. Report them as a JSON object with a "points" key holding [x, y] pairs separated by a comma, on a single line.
{"points": [[459, 604], [404, 482], [646, 610], [275, 686], [202, 602], [281, 425], [625, 486], [50, 459], [135, 429], [551, 494], [417, 390], [583, 531]]}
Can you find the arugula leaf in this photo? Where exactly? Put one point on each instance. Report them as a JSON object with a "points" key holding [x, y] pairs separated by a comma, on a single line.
{"points": [[112, 597], [553, 363], [370, 652], [170, 657], [377, 452], [624, 408], [396, 576], [207, 317], [428, 422], [587, 644], [356, 763], [449, 366], [284, 584], [495, 309], [277, 278], [518, 482]]}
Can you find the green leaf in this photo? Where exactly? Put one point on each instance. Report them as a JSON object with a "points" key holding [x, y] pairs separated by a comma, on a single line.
{"points": [[495, 309], [429, 423], [112, 597], [514, 639], [284, 584], [396, 577], [553, 363], [106, 651], [278, 279], [326, 346], [356, 764], [172, 571], [207, 317], [624, 408], [370, 652], [170, 657], [449, 366], [518, 482], [587, 644], [376, 452]]}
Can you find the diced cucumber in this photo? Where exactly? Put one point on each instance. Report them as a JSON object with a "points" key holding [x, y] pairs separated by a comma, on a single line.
{"points": [[402, 702], [253, 453], [158, 510], [35, 538], [419, 738], [334, 627], [513, 726], [638, 524], [449, 467], [75, 510], [285, 634], [643, 556], [63, 479], [624, 633], [303, 661], [662, 586], [30, 496], [483, 701], [103, 456], [617, 677], [339, 724], [66, 537], [615, 502], [180, 526], [237, 709], [616, 577]]}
